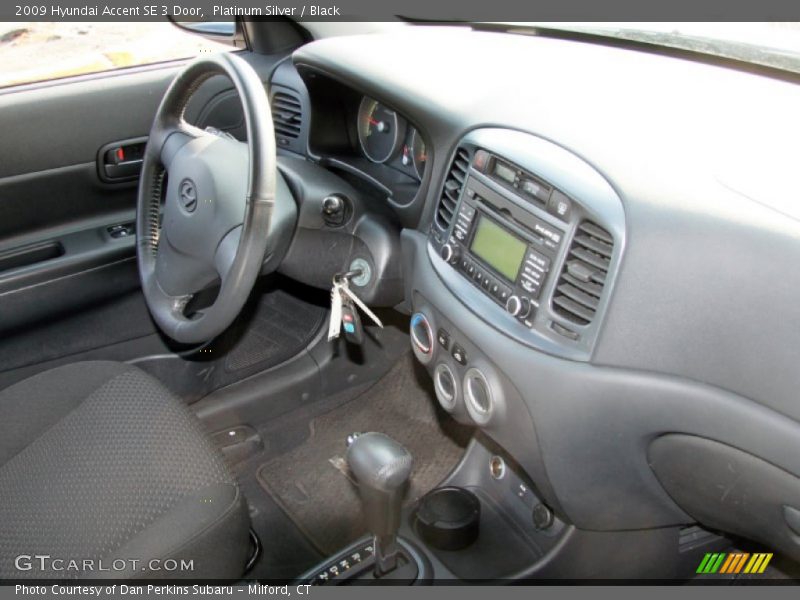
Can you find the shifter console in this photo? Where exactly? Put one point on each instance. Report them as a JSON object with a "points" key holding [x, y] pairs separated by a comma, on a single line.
{"points": [[356, 563], [382, 468], [349, 563]]}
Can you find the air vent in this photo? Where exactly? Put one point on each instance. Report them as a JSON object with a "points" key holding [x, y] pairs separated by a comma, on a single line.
{"points": [[584, 275], [452, 189], [287, 116]]}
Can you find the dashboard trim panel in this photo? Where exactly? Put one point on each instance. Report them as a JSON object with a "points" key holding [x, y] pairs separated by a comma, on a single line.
{"points": [[593, 198]]}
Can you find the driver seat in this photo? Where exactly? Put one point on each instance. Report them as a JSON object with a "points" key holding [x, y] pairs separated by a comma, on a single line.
{"points": [[99, 462]]}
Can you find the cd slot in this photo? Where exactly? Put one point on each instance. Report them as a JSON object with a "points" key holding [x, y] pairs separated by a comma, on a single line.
{"points": [[504, 216], [538, 230]]}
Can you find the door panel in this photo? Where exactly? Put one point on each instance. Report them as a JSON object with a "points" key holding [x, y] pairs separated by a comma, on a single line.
{"points": [[52, 197], [67, 283], [65, 122]]}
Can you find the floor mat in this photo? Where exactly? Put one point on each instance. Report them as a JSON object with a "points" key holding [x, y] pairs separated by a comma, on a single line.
{"points": [[280, 324], [279, 321], [311, 483]]}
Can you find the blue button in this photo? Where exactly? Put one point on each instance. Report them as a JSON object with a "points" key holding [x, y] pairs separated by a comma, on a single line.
{"points": [[349, 328]]}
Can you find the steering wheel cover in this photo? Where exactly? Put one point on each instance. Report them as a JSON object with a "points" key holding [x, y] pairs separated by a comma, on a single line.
{"points": [[238, 280]]}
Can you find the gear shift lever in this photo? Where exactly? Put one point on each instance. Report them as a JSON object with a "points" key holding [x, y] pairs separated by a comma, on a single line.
{"points": [[382, 468]]}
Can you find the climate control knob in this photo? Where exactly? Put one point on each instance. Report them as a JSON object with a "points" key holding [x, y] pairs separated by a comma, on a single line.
{"points": [[450, 253], [422, 338], [518, 306]]}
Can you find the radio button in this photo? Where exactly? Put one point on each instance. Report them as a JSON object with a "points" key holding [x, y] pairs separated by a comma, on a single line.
{"points": [[500, 291], [480, 160], [532, 273], [547, 232], [535, 189], [560, 206], [467, 211], [533, 270], [533, 258], [532, 287], [464, 219]]}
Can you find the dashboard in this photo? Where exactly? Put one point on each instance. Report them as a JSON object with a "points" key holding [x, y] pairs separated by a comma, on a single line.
{"points": [[365, 138], [587, 272]]}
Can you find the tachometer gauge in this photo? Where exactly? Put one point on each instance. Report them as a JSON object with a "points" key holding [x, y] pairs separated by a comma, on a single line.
{"points": [[378, 130], [418, 154]]}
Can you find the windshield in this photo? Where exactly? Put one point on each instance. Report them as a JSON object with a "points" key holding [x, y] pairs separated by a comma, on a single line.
{"points": [[771, 44]]}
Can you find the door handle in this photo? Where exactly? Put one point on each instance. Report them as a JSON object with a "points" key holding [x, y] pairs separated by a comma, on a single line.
{"points": [[121, 161]]}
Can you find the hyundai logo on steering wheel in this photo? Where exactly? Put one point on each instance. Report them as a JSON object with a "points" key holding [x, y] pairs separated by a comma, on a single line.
{"points": [[188, 195]]}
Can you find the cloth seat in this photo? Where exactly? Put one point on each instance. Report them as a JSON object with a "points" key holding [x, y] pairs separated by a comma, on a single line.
{"points": [[108, 474]]}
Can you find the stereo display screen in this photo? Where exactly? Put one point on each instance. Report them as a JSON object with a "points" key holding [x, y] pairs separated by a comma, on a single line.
{"points": [[498, 248]]}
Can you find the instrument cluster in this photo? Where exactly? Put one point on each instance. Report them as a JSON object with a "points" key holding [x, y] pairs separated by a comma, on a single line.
{"points": [[387, 138]]}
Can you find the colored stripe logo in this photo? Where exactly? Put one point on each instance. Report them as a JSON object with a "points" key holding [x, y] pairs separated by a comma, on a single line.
{"points": [[734, 562]]}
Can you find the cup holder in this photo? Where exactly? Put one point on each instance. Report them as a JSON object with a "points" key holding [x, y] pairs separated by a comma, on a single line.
{"points": [[448, 518]]}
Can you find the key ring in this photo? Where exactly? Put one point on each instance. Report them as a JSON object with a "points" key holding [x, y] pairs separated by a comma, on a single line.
{"points": [[340, 277]]}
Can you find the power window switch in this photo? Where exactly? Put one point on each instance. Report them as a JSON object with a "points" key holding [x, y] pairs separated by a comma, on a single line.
{"points": [[121, 231]]}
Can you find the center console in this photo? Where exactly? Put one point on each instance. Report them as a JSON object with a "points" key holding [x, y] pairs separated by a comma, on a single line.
{"points": [[517, 267], [485, 522], [526, 238], [519, 260]]}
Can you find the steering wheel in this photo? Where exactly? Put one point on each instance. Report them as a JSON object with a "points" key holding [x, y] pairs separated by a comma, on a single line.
{"points": [[220, 195]]}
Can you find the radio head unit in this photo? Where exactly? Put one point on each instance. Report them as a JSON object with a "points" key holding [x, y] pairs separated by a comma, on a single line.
{"points": [[502, 248], [527, 225]]}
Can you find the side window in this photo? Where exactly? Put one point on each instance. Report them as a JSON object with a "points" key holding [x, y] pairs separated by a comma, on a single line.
{"points": [[41, 51]]}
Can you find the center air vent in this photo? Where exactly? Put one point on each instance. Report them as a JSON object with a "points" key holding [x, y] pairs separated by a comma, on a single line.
{"points": [[451, 190], [287, 117], [584, 275]]}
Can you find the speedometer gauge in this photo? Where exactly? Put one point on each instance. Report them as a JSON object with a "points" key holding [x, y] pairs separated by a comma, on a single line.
{"points": [[419, 153], [378, 130]]}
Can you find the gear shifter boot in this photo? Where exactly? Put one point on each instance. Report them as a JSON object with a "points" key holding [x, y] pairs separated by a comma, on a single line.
{"points": [[382, 468]]}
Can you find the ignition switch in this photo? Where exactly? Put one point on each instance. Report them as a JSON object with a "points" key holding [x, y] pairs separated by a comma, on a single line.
{"points": [[334, 210]]}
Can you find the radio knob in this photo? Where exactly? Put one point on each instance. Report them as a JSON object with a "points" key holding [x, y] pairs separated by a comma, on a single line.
{"points": [[519, 307], [450, 253]]}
